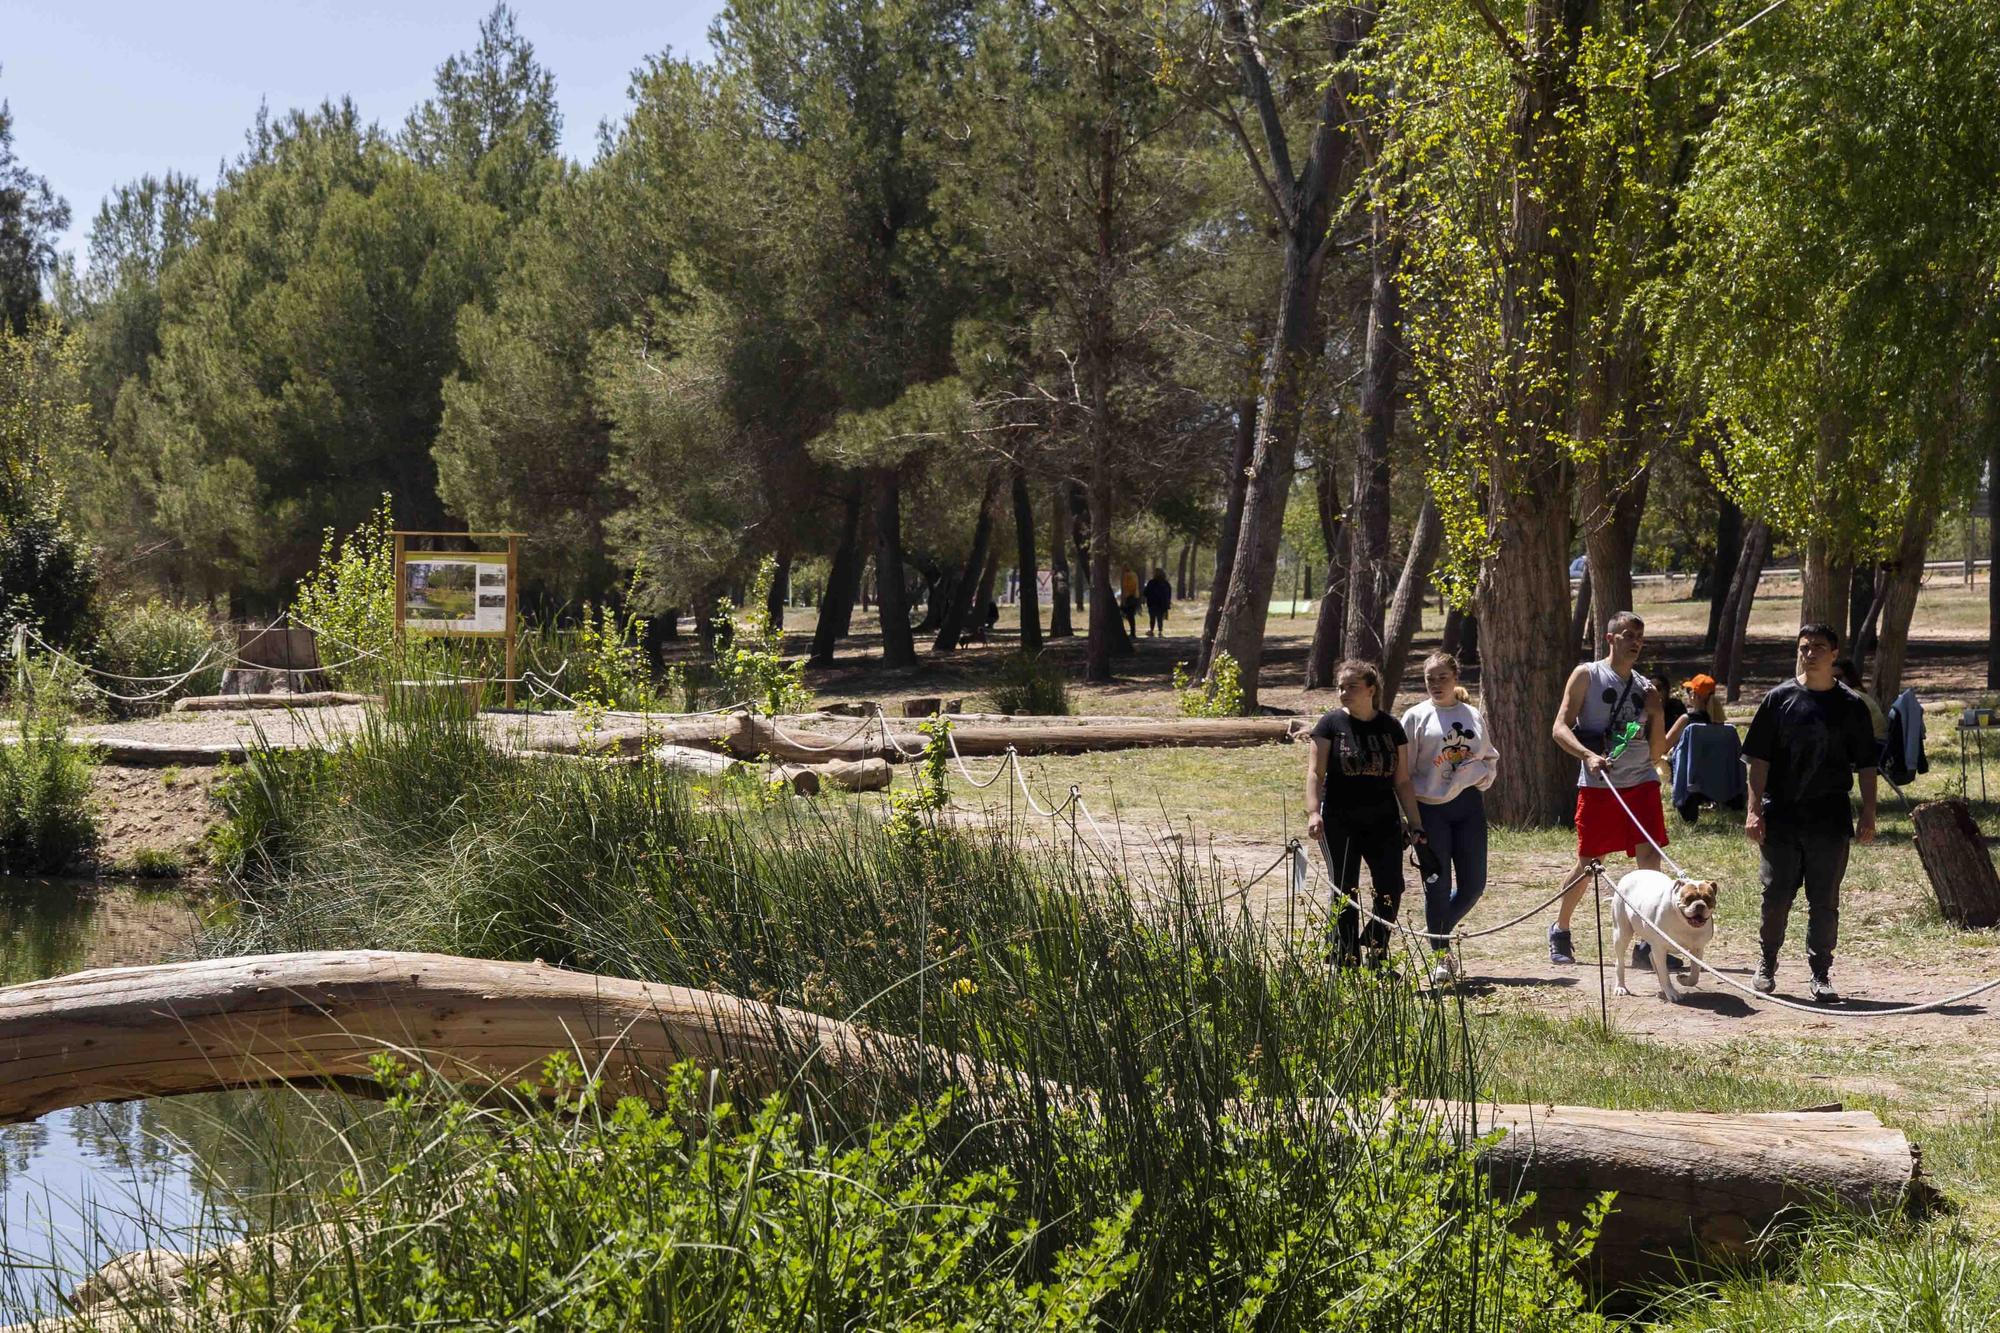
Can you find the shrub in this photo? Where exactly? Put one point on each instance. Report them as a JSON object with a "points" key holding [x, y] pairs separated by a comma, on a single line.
{"points": [[350, 596], [1221, 695], [750, 666], [156, 640], [608, 655], [1030, 684], [46, 822]]}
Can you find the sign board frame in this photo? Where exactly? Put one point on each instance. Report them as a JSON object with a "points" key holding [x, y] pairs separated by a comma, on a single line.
{"points": [[481, 558]]}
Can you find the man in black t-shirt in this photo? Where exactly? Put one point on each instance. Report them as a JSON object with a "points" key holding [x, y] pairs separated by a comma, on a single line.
{"points": [[1809, 736]]}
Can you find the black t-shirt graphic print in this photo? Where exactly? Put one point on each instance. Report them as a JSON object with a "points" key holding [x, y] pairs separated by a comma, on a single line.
{"points": [[1360, 766]]}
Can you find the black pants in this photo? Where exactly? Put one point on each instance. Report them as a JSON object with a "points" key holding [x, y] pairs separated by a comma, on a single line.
{"points": [[1156, 621], [1813, 858], [1378, 840]]}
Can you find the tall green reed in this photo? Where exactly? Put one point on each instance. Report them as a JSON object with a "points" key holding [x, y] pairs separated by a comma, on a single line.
{"points": [[1148, 1043]]}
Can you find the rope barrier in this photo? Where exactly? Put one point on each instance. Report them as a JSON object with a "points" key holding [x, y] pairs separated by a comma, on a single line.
{"points": [[966, 773]]}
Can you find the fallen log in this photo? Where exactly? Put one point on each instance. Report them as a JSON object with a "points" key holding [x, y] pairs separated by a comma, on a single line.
{"points": [[687, 759], [1688, 1183], [219, 703], [1956, 862], [116, 1034], [751, 737], [854, 774]]}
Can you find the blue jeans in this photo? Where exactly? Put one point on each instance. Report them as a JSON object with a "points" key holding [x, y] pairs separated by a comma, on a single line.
{"points": [[1456, 831]]}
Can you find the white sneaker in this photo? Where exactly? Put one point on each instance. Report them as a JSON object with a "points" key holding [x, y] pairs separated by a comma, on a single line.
{"points": [[1445, 972]]}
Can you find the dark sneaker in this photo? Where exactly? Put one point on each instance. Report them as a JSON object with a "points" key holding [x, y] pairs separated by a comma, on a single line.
{"points": [[1823, 992], [1766, 980], [1561, 952], [1642, 956]]}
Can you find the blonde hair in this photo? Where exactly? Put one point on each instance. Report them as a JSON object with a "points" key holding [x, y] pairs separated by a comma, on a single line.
{"points": [[1368, 671], [1441, 658]]}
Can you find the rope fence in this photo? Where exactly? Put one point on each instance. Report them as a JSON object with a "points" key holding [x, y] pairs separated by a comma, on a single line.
{"points": [[543, 685]]}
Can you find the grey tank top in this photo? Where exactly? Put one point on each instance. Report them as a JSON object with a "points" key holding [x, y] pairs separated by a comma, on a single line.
{"points": [[1609, 703]]}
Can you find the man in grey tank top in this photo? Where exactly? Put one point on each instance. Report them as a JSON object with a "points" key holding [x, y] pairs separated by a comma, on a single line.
{"points": [[1613, 722]]}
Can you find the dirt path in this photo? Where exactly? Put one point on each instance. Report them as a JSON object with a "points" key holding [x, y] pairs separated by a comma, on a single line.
{"points": [[1511, 970]]}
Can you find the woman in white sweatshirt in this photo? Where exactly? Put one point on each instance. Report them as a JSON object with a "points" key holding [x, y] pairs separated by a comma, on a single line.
{"points": [[1452, 762]]}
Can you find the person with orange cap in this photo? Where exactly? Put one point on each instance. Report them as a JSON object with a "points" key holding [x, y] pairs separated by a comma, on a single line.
{"points": [[1703, 706]]}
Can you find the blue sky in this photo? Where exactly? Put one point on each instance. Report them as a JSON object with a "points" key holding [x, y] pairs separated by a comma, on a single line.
{"points": [[104, 91]]}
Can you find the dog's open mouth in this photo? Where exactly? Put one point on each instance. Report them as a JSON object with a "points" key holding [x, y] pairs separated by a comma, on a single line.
{"points": [[1696, 914]]}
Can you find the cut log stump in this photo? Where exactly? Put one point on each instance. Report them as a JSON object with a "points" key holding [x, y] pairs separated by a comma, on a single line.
{"points": [[1955, 858]]}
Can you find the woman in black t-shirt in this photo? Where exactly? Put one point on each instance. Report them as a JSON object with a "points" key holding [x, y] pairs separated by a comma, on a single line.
{"points": [[1361, 805]]}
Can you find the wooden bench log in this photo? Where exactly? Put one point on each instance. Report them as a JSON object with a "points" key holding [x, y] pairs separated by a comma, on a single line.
{"points": [[1687, 1183], [1955, 859]]}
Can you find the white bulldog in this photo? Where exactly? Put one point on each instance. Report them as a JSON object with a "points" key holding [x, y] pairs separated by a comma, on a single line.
{"points": [[1667, 913]]}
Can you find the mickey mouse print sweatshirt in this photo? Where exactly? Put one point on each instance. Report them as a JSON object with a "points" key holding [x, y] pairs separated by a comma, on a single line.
{"points": [[1449, 751]]}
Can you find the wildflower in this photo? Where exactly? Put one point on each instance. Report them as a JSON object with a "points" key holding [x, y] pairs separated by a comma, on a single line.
{"points": [[965, 987]]}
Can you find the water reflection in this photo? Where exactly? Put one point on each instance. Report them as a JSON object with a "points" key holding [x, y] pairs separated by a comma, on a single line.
{"points": [[82, 1186]]}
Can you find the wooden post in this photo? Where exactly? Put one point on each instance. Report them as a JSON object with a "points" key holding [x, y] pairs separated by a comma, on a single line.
{"points": [[1955, 859], [513, 600]]}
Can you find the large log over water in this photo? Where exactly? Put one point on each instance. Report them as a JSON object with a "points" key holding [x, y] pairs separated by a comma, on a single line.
{"points": [[120, 1033], [1684, 1180]]}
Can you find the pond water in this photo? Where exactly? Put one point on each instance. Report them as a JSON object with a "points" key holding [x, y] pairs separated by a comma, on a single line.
{"points": [[82, 1186]]}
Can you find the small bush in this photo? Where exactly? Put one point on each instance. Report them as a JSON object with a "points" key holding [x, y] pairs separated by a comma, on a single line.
{"points": [[1030, 685], [751, 666], [46, 823], [1221, 695], [156, 640], [153, 863], [350, 597]]}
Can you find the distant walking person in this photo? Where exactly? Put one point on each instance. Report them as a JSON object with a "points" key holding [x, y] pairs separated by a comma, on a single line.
{"points": [[1128, 601], [1159, 596], [1611, 720], [1362, 807], [1452, 763], [1807, 738]]}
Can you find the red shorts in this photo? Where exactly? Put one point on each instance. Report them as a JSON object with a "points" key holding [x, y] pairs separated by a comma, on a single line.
{"points": [[1603, 827]]}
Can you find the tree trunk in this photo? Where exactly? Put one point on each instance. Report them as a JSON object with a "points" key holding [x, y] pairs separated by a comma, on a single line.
{"points": [[1524, 586], [1330, 626], [961, 598], [899, 645], [1181, 593], [1296, 351], [1059, 576], [1235, 486], [1580, 644], [1865, 582], [1956, 861], [1453, 633], [1107, 627], [1368, 511], [1407, 610], [843, 581], [774, 596], [1612, 508], [1993, 546], [1728, 545], [1024, 553], [1743, 600], [1079, 535], [1823, 593], [982, 597], [1899, 598]]}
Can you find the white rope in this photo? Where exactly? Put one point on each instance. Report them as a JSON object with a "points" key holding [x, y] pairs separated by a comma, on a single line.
{"points": [[1021, 777], [1652, 931], [889, 737], [966, 773], [208, 654], [1455, 936], [1620, 798], [1111, 856], [791, 739]]}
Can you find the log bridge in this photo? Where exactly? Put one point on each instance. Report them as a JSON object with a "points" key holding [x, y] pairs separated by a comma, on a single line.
{"points": [[1687, 1183]]}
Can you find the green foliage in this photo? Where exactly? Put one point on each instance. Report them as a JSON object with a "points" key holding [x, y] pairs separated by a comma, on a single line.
{"points": [[688, 1214], [157, 640], [609, 655], [493, 125], [48, 575], [32, 220], [350, 595], [1032, 685], [750, 665], [46, 822], [913, 809], [1221, 695]]}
